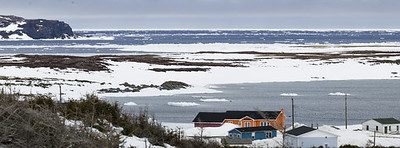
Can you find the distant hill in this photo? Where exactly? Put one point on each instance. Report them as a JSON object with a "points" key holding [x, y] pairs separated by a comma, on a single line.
{"points": [[14, 27]]}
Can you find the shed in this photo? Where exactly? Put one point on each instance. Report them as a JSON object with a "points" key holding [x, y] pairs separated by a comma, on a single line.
{"points": [[309, 137]]}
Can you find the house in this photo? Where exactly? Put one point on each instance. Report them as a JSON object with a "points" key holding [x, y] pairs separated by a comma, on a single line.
{"points": [[275, 119], [253, 133], [309, 137], [209, 119], [382, 125]]}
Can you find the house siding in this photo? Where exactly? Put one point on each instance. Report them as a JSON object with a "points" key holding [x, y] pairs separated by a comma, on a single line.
{"points": [[246, 136], [254, 123], [259, 135]]}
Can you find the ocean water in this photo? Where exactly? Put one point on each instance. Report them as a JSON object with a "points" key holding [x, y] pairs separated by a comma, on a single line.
{"points": [[142, 37], [367, 99]]}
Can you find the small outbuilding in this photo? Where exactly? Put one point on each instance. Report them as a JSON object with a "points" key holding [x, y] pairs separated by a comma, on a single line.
{"points": [[309, 137], [253, 133], [382, 125]]}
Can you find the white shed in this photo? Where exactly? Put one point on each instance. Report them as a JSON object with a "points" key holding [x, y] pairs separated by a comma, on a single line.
{"points": [[382, 125], [309, 137]]}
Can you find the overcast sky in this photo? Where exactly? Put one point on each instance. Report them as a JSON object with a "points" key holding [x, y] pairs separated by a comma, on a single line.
{"points": [[212, 14]]}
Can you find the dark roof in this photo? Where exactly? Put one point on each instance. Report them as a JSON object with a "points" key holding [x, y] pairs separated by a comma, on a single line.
{"points": [[209, 117], [221, 116], [253, 129], [300, 130], [252, 114], [387, 120]]}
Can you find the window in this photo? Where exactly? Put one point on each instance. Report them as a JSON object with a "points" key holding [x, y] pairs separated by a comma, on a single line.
{"points": [[231, 135], [230, 122], [386, 130], [238, 135], [240, 123], [390, 128], [268, 134], [397, 128], [264, 123], [247, 124], [367, 128], [377, 129]]}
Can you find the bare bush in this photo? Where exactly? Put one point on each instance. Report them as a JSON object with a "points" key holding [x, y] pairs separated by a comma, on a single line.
{"points": [[29, 124]]}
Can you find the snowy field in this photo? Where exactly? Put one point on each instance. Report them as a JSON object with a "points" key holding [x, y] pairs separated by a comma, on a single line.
{"points": [[258, 68]]}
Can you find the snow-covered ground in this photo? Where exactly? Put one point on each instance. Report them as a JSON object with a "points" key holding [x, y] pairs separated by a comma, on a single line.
{"points": [[352, 135], [259, 69]]}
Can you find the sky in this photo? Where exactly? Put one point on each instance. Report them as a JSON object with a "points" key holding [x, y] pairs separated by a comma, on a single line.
{"points": [[212, 14]]}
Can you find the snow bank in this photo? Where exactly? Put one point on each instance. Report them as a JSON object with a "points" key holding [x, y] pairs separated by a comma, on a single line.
{"points": [[183, 104], [23, 36], [211, 131], [137, 142], [355, 136]]}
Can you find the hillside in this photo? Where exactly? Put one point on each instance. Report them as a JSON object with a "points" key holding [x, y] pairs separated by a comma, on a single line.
{"points": [[14, 27]]}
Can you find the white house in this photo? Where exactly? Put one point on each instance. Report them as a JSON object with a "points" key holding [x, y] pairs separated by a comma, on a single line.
{"points": [[309, 137], [382, 125]]}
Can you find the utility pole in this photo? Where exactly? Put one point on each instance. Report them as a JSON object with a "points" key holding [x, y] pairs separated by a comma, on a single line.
{"points": [[292, 113], [60, 93], [283, 136], [345, 110], [374, 137]]}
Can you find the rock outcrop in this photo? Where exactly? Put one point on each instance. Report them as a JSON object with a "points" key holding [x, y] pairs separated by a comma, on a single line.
{"points": [[14, 27]]}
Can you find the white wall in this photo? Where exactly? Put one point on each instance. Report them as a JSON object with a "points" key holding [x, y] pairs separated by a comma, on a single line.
{"points": [[372, 126], [311, 141]]}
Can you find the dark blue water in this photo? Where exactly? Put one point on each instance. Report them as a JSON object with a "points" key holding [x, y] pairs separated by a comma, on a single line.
{"points": [[142, 37], [368, 99]]}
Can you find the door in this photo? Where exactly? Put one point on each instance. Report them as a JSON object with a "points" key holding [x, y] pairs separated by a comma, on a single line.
{"points": [[385, 129]]}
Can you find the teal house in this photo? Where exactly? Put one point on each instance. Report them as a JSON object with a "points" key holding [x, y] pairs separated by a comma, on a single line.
{"points": [[253, 133]]}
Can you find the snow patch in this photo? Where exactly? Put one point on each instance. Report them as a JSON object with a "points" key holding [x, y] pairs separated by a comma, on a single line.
{"points": [[12, 27], [137, 142], [183, 104], [289, 94], [130, 104], [338, 94], [214, 100]]}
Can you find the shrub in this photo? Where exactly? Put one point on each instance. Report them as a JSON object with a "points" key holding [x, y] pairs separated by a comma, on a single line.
{"points": [[31, 124]]}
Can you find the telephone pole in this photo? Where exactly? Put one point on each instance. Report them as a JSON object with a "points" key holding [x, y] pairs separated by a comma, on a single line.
{"points": [[60, 93], [292, 113], [374, 137], [345, 110]]}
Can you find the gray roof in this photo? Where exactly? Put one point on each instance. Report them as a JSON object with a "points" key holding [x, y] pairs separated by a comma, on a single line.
{"points": [[300, 130], [255, 129], [387, 120]]}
